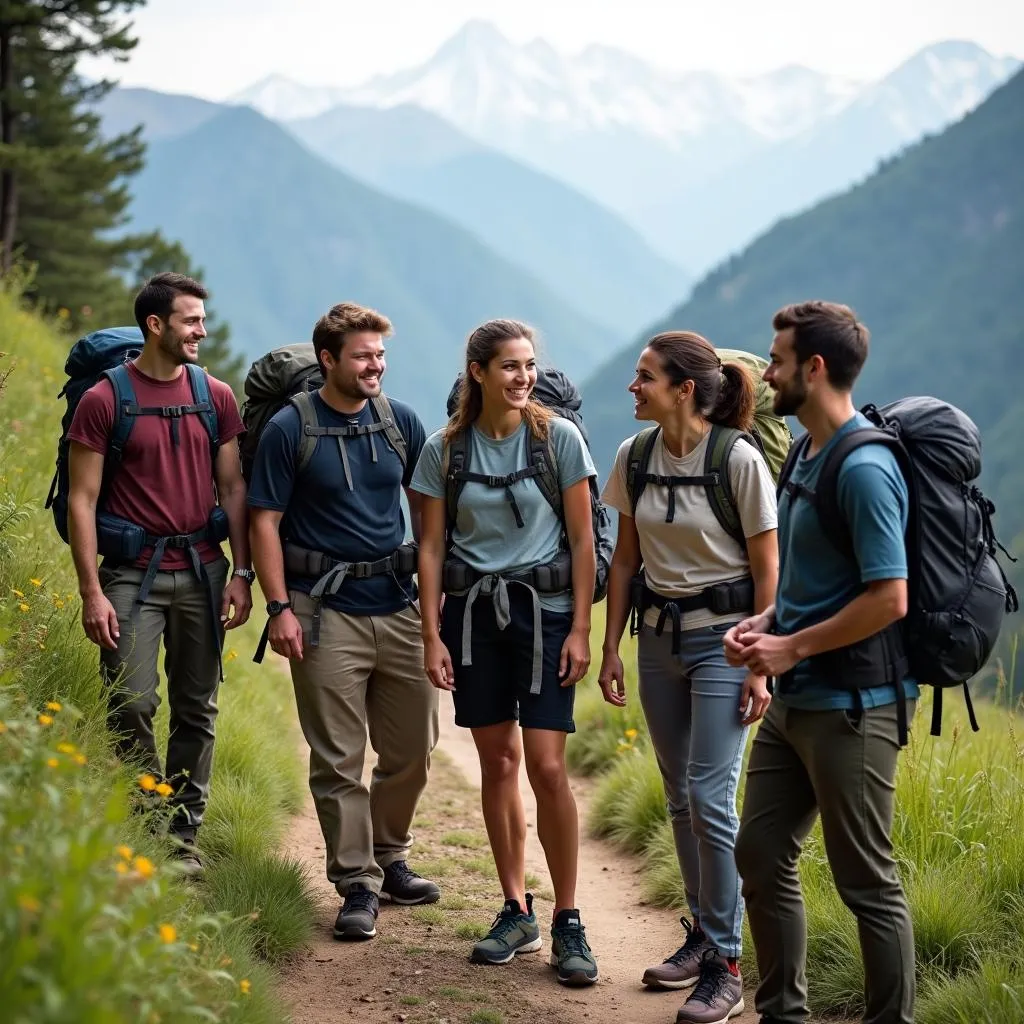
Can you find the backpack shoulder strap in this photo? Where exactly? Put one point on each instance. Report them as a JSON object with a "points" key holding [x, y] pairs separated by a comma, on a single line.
{"points": [[121, 426], [796, 451], [382, 407], [200, 384], [306, 408], [721, 442], [542, 455], [638, 462], [454, 461]]}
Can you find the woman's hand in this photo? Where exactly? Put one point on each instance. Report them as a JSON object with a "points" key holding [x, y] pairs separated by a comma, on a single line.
{"points": [[438, 663], [575, 658], [611, 679], [755, 692]]}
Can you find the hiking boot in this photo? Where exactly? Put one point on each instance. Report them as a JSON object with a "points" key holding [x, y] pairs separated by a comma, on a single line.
{"points": [[682, 968], [185, 852], [357, 918], [402, 885], [718, 994], [570, 954], [512, 932]]}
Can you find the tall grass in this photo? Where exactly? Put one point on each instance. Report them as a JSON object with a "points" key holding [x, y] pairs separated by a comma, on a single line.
{"points": [[957, 834], [96, 924]]}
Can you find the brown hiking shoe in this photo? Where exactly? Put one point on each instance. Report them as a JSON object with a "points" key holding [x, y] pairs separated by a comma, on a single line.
{"points": [[717, 996], [682, 968]]}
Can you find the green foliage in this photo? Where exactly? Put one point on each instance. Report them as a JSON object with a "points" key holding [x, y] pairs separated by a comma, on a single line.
{"points": [[96, 925]]}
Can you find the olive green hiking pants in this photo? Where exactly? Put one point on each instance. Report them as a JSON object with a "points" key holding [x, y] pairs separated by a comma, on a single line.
{"points": [[366, 673], [832, 763]]}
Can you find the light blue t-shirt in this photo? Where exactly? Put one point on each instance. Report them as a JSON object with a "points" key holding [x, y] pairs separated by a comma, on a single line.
{"points": [[816, 580], [486, 535]]}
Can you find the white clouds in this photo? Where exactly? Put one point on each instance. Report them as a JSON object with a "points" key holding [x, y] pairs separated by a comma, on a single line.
{"points": [[213, 48]]}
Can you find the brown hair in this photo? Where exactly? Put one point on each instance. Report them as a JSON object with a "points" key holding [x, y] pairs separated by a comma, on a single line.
{"points": [[723, 392], [157, 296], [481, 347], [341, 320], [829, 330]]}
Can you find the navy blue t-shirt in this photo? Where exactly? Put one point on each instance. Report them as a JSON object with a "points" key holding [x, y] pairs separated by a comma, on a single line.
{"points": [[322, 513]]}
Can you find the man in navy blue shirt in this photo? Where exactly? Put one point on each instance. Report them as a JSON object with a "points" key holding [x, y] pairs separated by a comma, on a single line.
{"points": [[830, 740], [329, 550]]}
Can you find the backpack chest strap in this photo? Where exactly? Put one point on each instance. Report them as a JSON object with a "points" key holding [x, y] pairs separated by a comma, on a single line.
{"points": [[173, 413], [465, 476], [672, 482]]}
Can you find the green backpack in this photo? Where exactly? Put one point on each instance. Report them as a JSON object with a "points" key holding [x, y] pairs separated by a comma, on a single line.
{"points": [[770, 435]]}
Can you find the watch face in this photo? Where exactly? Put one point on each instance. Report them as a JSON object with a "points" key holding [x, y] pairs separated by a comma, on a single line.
{"points": [[274, 608]]}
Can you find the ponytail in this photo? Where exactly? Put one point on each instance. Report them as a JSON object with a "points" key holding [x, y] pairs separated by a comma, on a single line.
{"points": [[734, 406]]}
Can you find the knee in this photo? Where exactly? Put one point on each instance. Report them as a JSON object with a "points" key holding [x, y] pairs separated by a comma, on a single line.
{"points": [[547, 774], [710, 816], [500, 765], [750, 855]]}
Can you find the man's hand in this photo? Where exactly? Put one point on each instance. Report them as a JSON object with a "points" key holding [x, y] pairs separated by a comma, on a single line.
{"points": [[438, 663], [755, 692], [100, 620], [575, 659], [237, 596], [285, 635], [767, 654], [610, 679], [733, 647]]}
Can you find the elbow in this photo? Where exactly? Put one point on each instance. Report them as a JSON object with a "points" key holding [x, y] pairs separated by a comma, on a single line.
{"points": [[895, 601]]}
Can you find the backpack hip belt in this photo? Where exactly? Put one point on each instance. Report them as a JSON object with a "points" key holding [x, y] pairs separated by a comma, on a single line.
{"points": [[735, 596], [554, 577]]}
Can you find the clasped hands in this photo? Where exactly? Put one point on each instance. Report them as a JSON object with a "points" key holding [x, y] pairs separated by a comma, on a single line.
{"points": [[750, 645]]}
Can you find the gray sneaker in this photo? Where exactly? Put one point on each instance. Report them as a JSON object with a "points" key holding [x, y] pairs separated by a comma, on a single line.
{"points": [[682, 968], [512, 932], [717, 996], [570, 952]]}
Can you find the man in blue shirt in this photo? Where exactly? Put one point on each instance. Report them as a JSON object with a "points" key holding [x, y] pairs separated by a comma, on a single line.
{"points": [[830, 740], [328, 550]]}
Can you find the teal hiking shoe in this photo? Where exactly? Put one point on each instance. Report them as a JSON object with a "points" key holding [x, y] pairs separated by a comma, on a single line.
{"points": [[570, 952], [512, 932]]}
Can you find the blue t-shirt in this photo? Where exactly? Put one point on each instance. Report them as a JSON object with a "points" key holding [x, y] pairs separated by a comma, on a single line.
{"points": [[816, 580], [486, 535], [322, 513]]}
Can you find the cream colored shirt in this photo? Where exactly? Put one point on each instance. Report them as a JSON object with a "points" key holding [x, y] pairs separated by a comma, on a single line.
{"points": [[692, 552]]}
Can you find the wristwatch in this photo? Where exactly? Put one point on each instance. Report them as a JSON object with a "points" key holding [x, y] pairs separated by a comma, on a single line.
{"points": [[247, 574], [275, 608]]}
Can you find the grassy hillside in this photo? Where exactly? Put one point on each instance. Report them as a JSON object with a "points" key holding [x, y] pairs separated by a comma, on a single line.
{"points": [[581, 250], [928, 252], [96, 926], [282, 236]]}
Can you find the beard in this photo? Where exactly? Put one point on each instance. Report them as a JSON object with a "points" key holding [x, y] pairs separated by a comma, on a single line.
{"points": [[175, 349], [788, 401], [358, 388]]}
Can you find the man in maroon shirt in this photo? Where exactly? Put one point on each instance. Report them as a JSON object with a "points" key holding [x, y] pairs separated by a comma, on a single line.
{"points": [[165, 485]]}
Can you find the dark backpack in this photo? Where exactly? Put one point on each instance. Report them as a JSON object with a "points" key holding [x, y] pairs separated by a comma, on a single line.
{"points": [[556, 391], [957, 591], [105, 353], [289, 375]]}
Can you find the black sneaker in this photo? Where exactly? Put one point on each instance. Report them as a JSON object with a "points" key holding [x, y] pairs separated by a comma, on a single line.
{"points": [[185, 853], [402, 885], [570, 953], [357, 918]]}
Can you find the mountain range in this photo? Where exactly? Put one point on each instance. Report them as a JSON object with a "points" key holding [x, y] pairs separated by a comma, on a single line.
{"points": [[678, 156]]}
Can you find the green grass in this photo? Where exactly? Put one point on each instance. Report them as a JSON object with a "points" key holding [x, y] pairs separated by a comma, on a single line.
{"points": [[411, 1000], [465, 840], [86, 932], [471, 930], [486, 1017], [957, 837], [461, 995], [428, 915]]}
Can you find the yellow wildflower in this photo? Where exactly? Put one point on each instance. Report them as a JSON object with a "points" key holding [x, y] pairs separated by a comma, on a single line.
{"points": [[52, 762], [80, 759], [23, 607], [45, 720], [148, 783], [121, 868], [29, 903], [164, 790], [194, 946], [53, 705], [231, 655], [124, 851], [245, 986], [58, 604], [16, 592], [168, 933], [144, 866], [631, 734], [36, 583], [65, 748]]}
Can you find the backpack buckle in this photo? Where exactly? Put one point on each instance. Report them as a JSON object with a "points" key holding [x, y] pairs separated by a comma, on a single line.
{"points": [[173, 411]]}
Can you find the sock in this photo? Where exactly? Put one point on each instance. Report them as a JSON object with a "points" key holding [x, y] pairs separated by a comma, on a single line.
{"points": [[734, 968]]}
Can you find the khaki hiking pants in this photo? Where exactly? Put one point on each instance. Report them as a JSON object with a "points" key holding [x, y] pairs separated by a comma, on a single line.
{"points": [[177, 610], [366, 672]]}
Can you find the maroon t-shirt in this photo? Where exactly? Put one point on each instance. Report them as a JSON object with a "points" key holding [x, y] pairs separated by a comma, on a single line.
{"points": [[165, 488]]}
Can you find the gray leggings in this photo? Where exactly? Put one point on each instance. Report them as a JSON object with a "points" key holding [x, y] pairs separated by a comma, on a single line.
{"points": [[691, 703]]}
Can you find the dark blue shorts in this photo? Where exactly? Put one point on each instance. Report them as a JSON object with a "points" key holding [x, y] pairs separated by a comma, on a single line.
{"points": [[496, 687]]}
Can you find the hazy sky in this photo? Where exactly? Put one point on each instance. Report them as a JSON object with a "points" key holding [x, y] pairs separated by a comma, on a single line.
{"points": [[213, 48]]}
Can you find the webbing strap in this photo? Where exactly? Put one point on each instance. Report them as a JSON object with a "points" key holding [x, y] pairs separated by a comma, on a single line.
{"points": [[672, 482], [173, 413], [502, 481]]}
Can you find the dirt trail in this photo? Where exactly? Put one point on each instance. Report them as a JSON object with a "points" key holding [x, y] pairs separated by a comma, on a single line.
{"points": [[417, 969]]}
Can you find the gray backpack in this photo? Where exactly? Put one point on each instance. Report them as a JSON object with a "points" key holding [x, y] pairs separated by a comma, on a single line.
{"points": [[290, 374]]}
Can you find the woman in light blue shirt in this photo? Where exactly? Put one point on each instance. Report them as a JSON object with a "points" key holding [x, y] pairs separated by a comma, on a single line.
{"points": [[514, 635]]}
